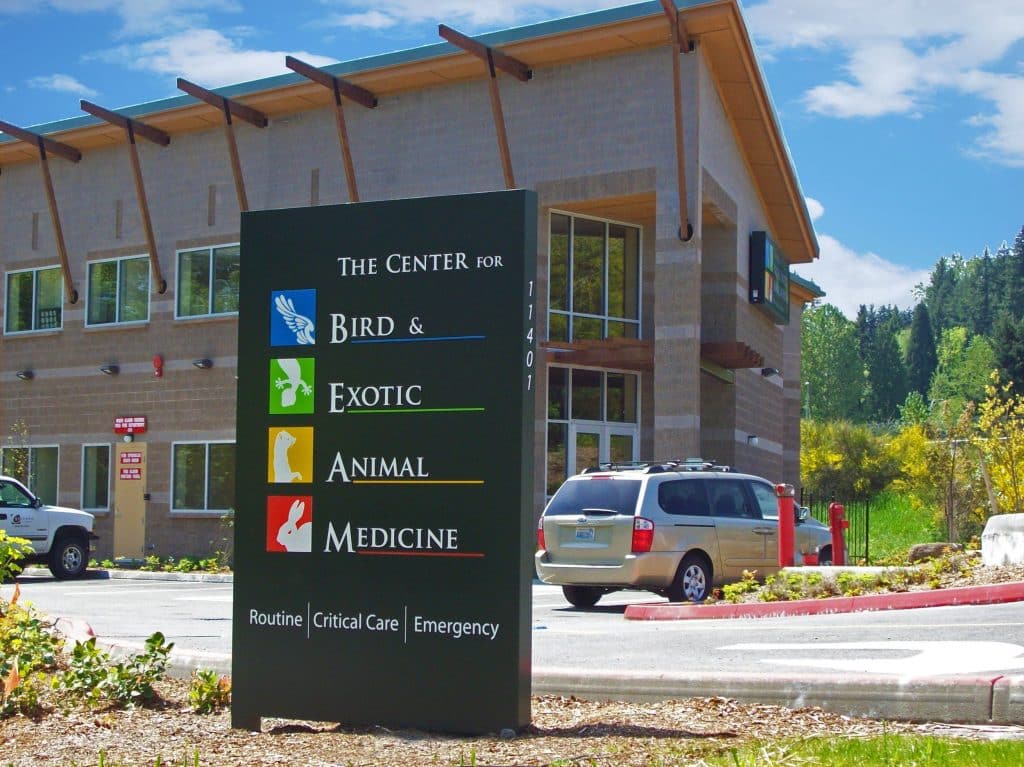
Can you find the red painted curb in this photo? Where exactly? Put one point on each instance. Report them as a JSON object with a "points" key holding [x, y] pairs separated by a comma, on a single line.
{"points": [[966, 595]]}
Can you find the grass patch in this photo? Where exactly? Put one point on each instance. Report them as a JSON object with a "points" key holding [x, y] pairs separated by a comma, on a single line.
{"points": [[896, 526], [880, 751]]}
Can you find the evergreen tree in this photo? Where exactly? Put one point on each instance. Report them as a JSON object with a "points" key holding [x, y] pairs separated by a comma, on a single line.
{"points": [[1015, 283], [921, 359], [1008, 344], [887, 378]]}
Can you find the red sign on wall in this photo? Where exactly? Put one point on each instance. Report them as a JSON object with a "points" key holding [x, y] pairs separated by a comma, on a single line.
{"points": [[130, 424], [131, 458], [131, 473]]}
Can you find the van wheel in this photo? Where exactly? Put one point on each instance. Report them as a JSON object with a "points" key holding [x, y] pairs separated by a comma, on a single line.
{"points": [[581, 596], [69, 558], [692, 582], [825, 556]]}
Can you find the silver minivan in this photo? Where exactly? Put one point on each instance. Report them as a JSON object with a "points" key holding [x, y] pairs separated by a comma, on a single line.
{"points": [[676, 529]]}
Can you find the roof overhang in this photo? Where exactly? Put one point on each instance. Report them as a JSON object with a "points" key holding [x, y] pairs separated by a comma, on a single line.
{"points": [[718, 26]]}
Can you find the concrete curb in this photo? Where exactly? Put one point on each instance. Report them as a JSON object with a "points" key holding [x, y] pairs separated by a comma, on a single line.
{"points": [[137, 575], [967, 595], [967, 700]]}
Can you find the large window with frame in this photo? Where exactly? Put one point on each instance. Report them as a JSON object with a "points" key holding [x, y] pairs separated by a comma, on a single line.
{"points": [[594, 279], [208, 281], [593, 417], [118, 291], [96, 477], [203, 476], [35, 467], [34, 300]]}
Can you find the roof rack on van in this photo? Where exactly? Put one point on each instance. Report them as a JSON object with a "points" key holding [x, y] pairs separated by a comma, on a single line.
{"points": [[657, 467]]}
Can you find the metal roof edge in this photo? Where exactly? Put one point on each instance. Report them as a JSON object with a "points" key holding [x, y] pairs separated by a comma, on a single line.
{"points": [[778, 125], [809, 285], [380, 61]]}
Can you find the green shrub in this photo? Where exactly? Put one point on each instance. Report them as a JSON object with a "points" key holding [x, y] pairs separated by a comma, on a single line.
{"points": [[208, 691], [12, 551], [28, 652], [93, 679]]}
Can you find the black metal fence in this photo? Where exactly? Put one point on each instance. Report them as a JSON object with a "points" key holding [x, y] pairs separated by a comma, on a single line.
{"points": [[858, 513]]}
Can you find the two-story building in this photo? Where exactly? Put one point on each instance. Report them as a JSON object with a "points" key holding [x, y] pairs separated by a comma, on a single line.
{"points": [[669, 213]]}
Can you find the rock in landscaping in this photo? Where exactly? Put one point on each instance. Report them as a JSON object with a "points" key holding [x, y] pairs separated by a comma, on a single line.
{"points": [[924, 551]]}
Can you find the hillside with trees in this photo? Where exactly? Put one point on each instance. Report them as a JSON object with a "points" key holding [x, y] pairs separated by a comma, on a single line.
{"points": [[927, 403]]}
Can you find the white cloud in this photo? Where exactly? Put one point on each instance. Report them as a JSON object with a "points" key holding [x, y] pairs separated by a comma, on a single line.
{"points": [[205, 56], [900, 54], [850, 279], [815, 208], [474, 14], [137, 18], [364, 20], [59, 82]]}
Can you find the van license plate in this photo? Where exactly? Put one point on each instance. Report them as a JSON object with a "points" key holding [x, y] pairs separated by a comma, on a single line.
{"points": [[584, 533]]}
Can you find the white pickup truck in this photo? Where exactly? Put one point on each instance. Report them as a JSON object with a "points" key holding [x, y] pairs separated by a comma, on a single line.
{"points": [[60, 537]]}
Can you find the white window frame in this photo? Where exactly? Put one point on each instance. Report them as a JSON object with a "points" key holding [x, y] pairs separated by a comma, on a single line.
{"points": [[604, 427], [117, 296], [604, 318], [110, 464], [28, 479], [177, 276], [204, 512], [35, 278]]}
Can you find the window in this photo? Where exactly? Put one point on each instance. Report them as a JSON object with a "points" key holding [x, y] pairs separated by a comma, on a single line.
{"points": [[729, 500], [35, 467], [34, 300], [208, 281], [593, 416], [594, 279], [203, 476], [684, 496], [766, 498], [118, 291], [96, 477]]}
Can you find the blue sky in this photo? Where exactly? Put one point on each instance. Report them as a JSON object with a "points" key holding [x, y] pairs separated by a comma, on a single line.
{"points": [[905, 119]]}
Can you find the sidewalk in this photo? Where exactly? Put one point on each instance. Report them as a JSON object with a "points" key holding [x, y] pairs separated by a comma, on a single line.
{"points": [[979, 700]]}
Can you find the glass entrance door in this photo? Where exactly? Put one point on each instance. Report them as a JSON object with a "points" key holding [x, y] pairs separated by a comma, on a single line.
{"points": [[592, 444]]}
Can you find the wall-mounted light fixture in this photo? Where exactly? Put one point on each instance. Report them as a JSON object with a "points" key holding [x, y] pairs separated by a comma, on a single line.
{"points": [[769, 372], [752, 440], [203, 364], [110, 370], [25, 375]]}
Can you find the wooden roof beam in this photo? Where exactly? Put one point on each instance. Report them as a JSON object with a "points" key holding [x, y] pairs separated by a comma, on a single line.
{"points": [[229, 108], [495, 60], [339, 88], [686, 45], [47, 145], [680, 44], [131, 128]]}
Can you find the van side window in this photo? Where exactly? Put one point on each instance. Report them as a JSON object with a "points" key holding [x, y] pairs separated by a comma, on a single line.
{"points": [[684, 496], [728, 499], [766, 499]]}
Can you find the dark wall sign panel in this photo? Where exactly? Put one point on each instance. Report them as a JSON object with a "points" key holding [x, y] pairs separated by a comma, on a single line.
{"points": [[384, 521]]}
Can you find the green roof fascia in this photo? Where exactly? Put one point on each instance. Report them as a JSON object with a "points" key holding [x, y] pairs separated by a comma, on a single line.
{"points": [[809, 285], [378, 61]]}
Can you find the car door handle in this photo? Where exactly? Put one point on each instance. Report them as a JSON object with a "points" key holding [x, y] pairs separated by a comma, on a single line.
{"points": [[764, 530]]}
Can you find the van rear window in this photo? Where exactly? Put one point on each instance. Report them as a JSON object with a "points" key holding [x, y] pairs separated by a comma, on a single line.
{"points": [[617, 495]]}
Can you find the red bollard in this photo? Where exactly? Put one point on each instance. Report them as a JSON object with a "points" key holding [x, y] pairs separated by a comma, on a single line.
{"points": [[787, 524], [838, 523]]}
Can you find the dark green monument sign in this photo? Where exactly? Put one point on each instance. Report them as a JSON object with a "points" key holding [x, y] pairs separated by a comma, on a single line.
{"points": [[385, 429]]}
